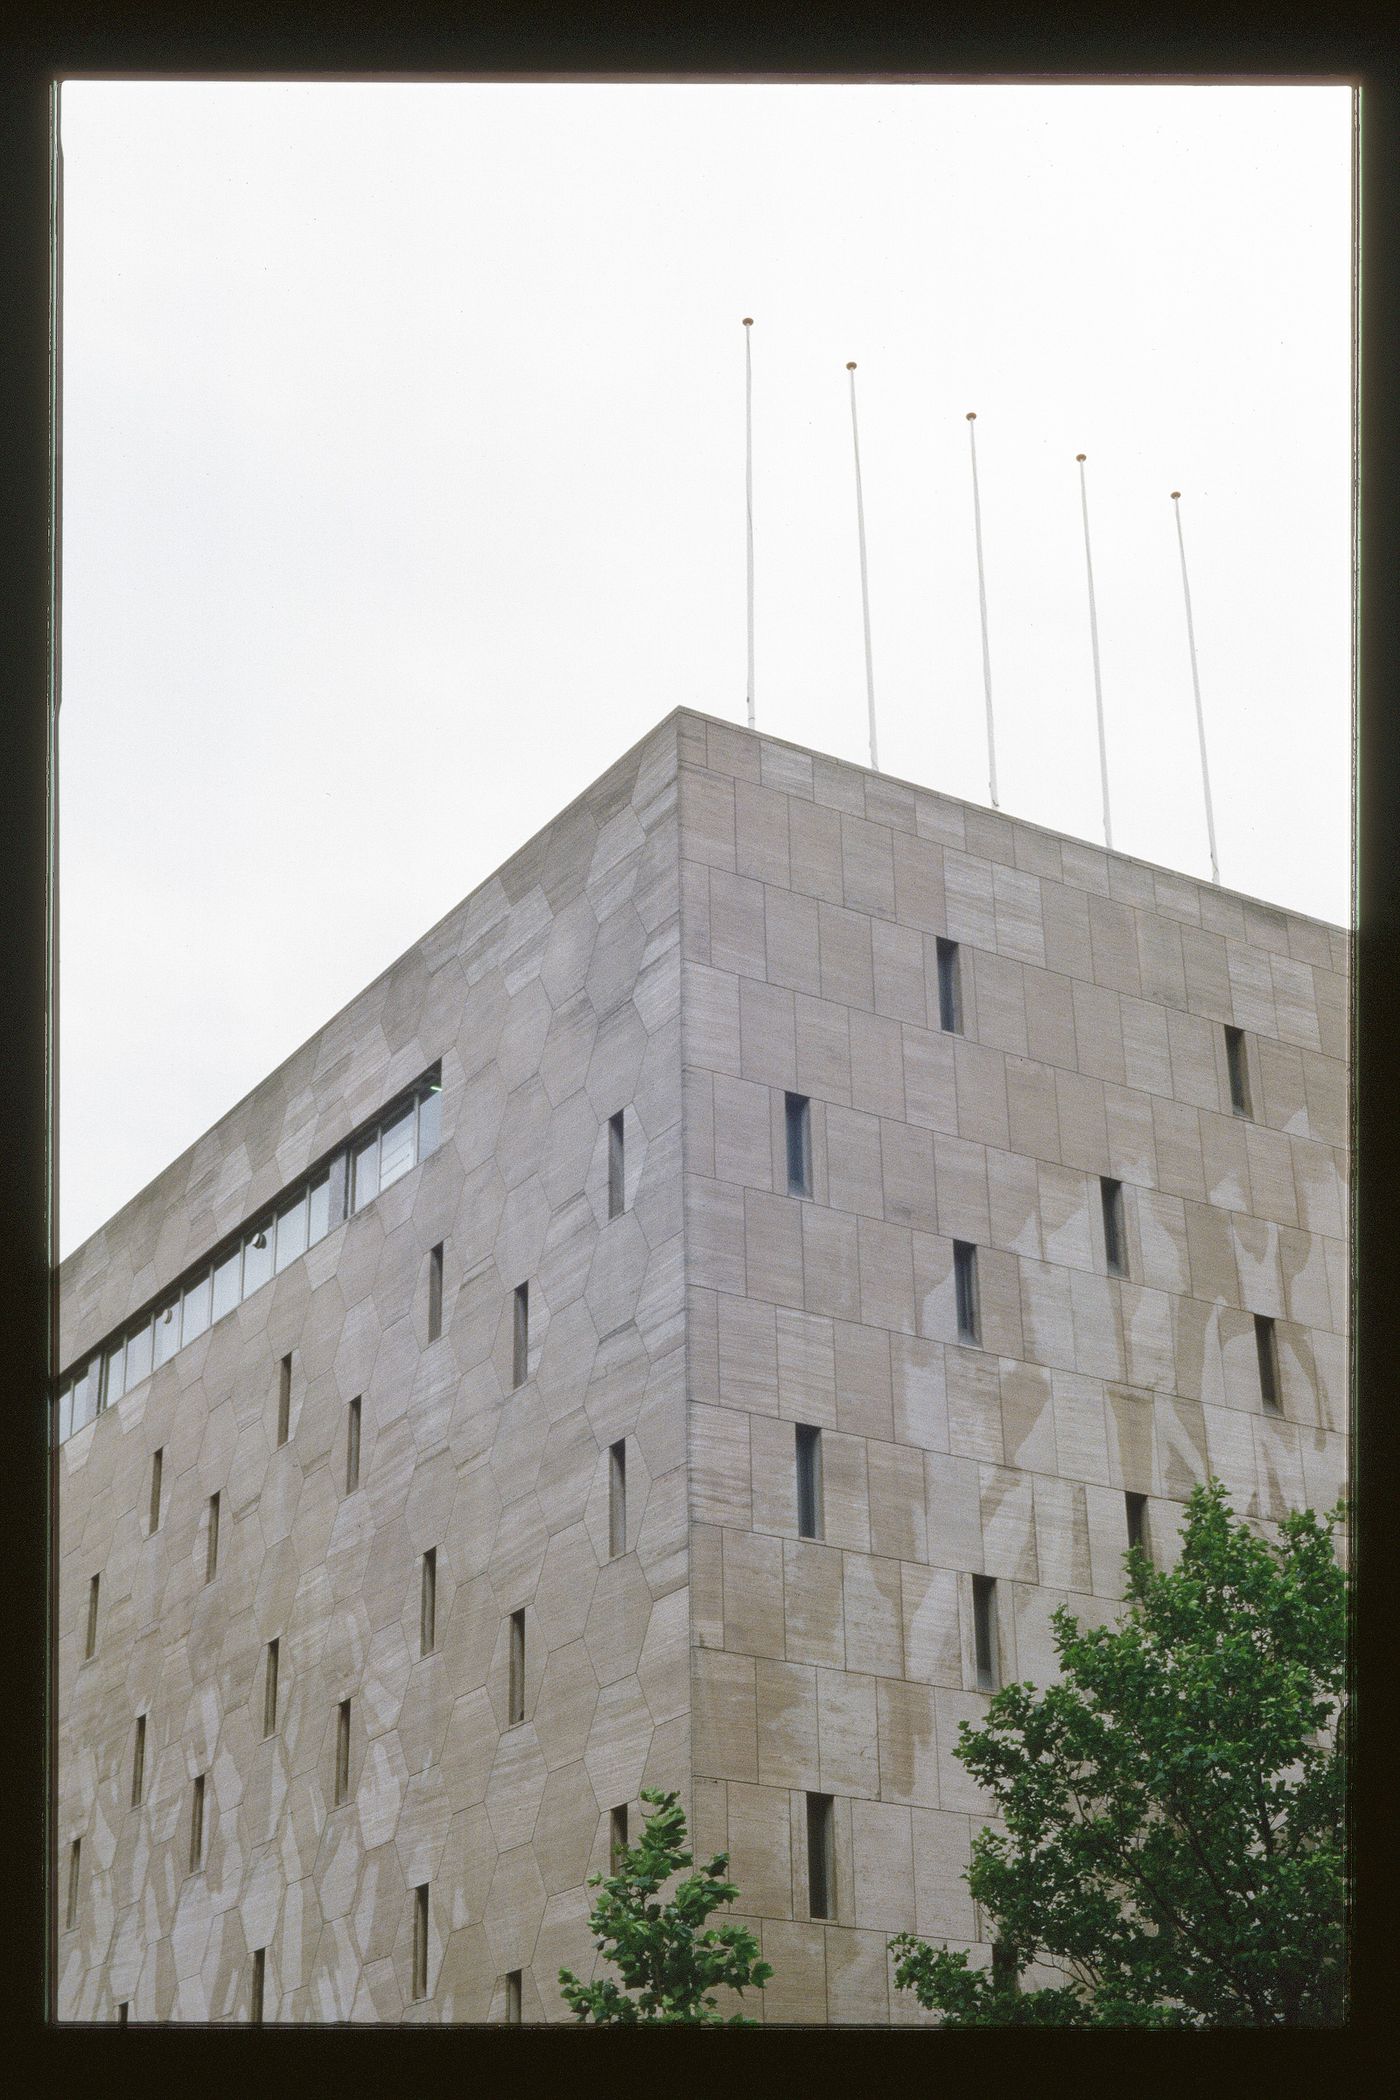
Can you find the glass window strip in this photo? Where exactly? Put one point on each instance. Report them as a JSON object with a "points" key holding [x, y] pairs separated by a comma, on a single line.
{"points": [[407, 1132]]}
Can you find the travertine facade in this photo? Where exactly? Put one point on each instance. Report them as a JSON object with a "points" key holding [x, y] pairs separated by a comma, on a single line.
{"points": [[720, 922]]}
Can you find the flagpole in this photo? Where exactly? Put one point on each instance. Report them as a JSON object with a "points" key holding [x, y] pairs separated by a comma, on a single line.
{"points": [[1094, 644], [1196, 688], [864, 579], [748, 491], [982, 602]]}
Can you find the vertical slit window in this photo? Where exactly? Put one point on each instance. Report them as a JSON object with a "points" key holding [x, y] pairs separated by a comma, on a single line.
{"points": [[435, 1292], [965, 1291], [259, 1985], [420, 1941], [270, 1689], [1004, 1966], [513, 1983], [138, 1762], [984, 1630], [520, 1370], [1239, 1071], [517, 1667], [284, 1401], [821, 1856], [1115, 1240], [797, 1115], [427, 1605], [1136, 1507], [211, 1539], [949, 987], [65, 1412], [123, 2012], [90, 1646], [617, 1838], [197, 1825], [617, 1183], [75, 1853], [809, 1482], [342, 1753], [352, 1446], [617, 1498], [157, 1470], [1266, 1346]]}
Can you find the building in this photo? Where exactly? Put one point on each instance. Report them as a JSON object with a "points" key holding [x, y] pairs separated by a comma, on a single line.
{"points": [[687, 1323]]}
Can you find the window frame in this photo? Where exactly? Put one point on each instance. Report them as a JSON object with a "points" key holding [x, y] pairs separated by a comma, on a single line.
{"points": [[797, 1136]]}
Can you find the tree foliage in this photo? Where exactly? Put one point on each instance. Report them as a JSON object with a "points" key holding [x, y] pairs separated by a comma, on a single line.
{"points": [[1173, 1805], [665, 1952]]}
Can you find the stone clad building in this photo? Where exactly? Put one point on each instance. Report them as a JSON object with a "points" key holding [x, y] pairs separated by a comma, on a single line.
{"points": [[688, 1323]]}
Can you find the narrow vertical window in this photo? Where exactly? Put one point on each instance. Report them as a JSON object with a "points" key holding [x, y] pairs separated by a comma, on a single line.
{"points": [[521, 1366], [809, 1482], [138, 1762], [949, 987], [617, 1837], [1239, 1072], [123, 2011], [197, 1825], [91, 1648], [435, 1293], [1266, 1345], [352, 1446], [965, 1287], [821, 1856], [1004, 1973], [1115, 1242], [270, 1689], [517, 1666], [513, 1982], [617, 1498], [211, 1539], [1136, 1507], [157, 1469], [284, 1401], [75, 1853], [259, 1985], [427, 1605], [420, 1940], [798, 1118], [342, 1754], [984, 1630], [617, 1184]]}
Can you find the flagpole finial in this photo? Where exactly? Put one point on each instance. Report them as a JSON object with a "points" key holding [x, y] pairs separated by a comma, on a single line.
{"points": [[972, 415], [748, 320], [851, 366], [1081, 457], [1176, 495]]}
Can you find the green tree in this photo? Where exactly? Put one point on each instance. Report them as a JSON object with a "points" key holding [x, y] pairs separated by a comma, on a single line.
{"points": [[1173, 1805], [664, 1951]]}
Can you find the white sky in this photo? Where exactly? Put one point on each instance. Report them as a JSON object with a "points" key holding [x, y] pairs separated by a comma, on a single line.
{"points": [[403, 490]]}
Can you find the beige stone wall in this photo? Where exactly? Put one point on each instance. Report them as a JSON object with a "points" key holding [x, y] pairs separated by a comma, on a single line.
{"points": [[721, 918], [1094, 991], [552, 998]]}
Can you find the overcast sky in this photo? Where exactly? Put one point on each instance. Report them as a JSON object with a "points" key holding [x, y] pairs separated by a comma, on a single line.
{"points": [[403, 491]]}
